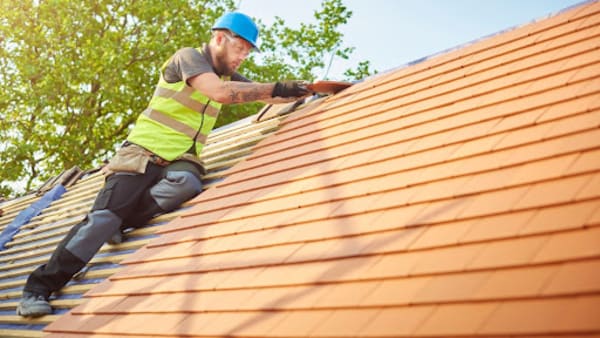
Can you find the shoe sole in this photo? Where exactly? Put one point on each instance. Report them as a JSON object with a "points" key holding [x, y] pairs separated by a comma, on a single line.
{"points": [[38, 311]]}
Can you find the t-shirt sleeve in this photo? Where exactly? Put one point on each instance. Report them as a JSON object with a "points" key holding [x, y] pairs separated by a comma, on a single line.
{"points": [[185, 64], [189, 62], [239, 77]]}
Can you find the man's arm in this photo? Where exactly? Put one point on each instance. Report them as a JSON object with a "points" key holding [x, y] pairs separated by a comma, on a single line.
{"points": [[228, 92]]}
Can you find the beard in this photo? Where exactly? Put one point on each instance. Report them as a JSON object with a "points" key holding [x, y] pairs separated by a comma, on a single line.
{"points": [[221, 66], [223, 69]]}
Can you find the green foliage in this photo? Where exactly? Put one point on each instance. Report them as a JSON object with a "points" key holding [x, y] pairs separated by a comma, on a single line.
{"points": [[363, 69], [76, 74]]}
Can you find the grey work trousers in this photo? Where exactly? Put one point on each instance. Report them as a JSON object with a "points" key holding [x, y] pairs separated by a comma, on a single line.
{"points": [[126, 199]]}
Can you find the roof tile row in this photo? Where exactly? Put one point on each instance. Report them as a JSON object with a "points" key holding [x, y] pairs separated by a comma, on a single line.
{"points": [[456, 197]]}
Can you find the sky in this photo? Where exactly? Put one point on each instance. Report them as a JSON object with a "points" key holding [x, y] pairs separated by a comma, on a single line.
{"points": [[392, 33]]}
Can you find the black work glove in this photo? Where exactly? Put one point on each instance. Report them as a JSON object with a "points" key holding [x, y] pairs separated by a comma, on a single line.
{"points": [[289, 89]]}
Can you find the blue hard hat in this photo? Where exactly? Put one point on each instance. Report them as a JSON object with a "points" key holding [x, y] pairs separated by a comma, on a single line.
{"points": [[240, 24]]}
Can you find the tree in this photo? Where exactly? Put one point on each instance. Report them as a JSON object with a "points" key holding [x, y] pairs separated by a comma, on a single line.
{"points": [[76, 74]]}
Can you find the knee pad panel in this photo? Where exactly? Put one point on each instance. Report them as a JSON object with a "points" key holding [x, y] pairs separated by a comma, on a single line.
{"points": [[176, 188]]}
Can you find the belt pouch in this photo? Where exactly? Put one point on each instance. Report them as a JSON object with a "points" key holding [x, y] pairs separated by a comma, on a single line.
{"points": [[132, 159]]}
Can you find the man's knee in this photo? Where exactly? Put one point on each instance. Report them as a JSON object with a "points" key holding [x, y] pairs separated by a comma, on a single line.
{"points": [[87, 238], [176, 188]]}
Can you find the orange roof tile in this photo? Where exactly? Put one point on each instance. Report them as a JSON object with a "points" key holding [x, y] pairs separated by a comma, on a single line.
{"points": [[456, 197]]}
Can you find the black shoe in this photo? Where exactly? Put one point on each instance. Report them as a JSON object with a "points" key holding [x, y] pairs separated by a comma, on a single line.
{"points": [[33, 305]]}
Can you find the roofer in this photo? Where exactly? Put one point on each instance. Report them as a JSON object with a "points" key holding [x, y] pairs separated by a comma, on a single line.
{"points": [[158, 167]]}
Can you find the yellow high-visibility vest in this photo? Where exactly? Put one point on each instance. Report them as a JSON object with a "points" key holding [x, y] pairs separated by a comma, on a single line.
{"points": [[177, 116]]}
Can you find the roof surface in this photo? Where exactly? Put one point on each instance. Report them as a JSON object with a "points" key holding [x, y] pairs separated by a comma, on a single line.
{"points": [[36, 239], [456, 197]]}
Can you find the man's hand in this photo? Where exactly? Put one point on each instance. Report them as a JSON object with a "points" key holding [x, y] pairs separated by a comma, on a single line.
{"points": [[290, 89]]}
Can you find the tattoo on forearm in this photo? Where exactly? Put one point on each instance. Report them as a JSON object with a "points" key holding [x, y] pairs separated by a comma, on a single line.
{"points": [[234, 95], [240, 92]]}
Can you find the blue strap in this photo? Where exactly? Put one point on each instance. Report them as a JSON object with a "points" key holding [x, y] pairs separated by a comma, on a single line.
{"points": [[27, 214]]}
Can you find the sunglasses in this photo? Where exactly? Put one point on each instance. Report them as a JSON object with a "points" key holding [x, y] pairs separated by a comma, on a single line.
{"points": [[238, 43]]}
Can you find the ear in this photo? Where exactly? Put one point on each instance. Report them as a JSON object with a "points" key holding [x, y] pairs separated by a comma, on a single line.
{"points": [[219, 37]]}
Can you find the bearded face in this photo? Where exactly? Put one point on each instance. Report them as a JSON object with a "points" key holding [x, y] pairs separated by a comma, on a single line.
{"points": [[231, 53]]}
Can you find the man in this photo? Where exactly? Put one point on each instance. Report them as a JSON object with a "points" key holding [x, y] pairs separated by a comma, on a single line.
{"points": [[158, 168]]}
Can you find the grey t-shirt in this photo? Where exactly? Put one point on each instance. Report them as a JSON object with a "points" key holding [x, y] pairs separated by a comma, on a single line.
{"points": [[189, 62]]}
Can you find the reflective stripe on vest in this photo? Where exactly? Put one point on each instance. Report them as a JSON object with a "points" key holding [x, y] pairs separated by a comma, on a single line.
{"points": [[175, 113], [175, 125], [184, 97]]}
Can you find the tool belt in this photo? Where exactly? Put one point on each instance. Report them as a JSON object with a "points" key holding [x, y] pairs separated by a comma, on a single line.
{"points": [[134, 159]]}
